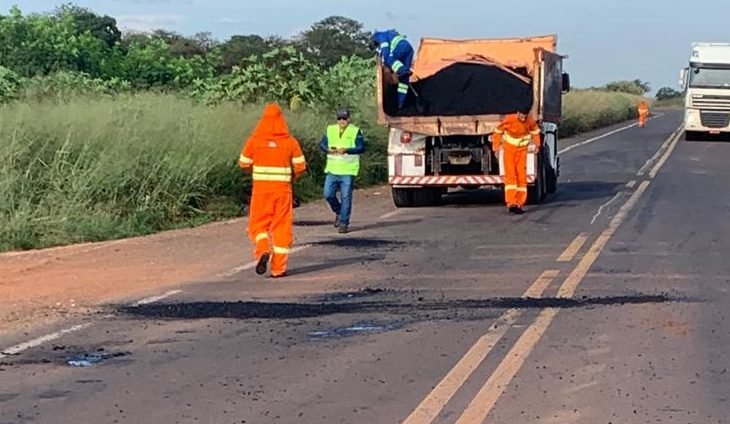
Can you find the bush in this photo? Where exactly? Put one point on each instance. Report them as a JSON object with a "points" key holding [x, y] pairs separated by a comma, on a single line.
{"points": [[10, 84]]}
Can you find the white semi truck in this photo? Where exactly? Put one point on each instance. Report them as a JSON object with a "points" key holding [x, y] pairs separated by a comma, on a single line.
{"points": [[706, 82], [460, 91]]}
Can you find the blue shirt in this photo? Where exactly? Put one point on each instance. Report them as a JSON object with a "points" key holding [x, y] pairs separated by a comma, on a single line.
{"points": [[357, 150], [402, 52]]}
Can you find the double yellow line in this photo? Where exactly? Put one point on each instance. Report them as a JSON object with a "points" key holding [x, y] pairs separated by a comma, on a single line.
{"points": [[484, 401]]}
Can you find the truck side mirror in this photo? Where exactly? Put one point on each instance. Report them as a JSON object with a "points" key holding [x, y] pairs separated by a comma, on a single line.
{"points": [[566, 82], [683, 77]]}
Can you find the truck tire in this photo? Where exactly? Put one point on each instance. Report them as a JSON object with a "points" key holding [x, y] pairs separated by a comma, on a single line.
{"points": [[536, 192], [402, 197], [427, 196], [414, 197], [551, 179]]}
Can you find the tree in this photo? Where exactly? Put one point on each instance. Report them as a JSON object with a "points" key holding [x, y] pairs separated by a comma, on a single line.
{"points": [[666, 93], [646, 86], [240, 47], [333, 38], [103, 28], [636, 87]]}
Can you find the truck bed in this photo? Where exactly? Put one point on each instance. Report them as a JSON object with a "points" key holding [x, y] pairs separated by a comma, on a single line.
{"points": [[467, 86]]}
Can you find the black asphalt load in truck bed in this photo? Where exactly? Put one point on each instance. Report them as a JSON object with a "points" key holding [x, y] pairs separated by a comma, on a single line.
{"points": [[463, 89]]}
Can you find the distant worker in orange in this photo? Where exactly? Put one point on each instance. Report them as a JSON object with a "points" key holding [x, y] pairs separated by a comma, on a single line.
{"points": [[274, 159], [515, 133], [643, 113]]}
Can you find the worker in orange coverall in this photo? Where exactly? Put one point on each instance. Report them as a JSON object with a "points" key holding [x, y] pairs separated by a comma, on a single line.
{"points": [[514, 134], [274, 159], [643, 113]]}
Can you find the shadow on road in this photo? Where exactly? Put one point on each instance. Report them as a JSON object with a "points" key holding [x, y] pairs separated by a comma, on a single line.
{"points": [[333, 263], [584, 190]]}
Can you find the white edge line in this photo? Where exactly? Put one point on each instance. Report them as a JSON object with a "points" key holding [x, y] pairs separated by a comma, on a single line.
{"points": [[612, 132], [600, 209], [153, 299], [14, 350], [389, 214], [252, 264], [39, 341]]}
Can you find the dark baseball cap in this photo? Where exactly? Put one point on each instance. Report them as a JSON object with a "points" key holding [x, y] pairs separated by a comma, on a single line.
{"points": [[343, 113]]}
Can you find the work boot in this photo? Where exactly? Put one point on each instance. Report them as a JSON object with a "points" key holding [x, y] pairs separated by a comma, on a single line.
{"points": [[262, 263], [518, 210], [343, 229], [337, 221]]}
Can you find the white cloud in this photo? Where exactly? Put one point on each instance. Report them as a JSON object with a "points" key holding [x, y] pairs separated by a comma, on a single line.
{"points": [[149, 22]]}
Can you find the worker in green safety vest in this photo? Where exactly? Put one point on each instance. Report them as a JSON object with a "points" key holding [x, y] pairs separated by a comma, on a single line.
{"points": [[343, 143]]}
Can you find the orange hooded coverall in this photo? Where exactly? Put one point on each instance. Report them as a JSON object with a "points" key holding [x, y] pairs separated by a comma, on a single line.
{"points": [[515, 134], [275, 158], [643, 113]]}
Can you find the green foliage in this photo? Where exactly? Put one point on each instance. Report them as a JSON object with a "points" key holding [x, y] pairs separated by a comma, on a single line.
{"points": [[67, 85], [10, 84], [285, 75], [666, 93], [333, 38], [636, 87]]}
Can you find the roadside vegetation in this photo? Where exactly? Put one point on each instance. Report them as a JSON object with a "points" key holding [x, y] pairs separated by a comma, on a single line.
{"points": [[106, 135]]}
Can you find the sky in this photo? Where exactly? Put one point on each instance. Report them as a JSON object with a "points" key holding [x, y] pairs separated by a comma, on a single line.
{"points": [[605, 40]]}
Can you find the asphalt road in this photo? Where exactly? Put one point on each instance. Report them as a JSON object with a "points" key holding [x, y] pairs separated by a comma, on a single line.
{"points": [[605, 304]]}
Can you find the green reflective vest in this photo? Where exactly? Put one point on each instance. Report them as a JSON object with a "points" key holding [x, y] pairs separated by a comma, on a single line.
{"points": [[342, 164]]}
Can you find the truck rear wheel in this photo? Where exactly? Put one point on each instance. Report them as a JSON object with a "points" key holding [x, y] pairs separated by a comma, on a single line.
{"points": [[410, 197], [551, 179], [402, 197], [536, 192]]}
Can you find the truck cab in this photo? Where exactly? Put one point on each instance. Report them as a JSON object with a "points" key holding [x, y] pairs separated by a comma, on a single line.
{"points": [[706, 82]]}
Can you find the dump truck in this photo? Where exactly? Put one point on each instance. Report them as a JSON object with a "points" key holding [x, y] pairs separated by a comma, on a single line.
{"points": [[706, 82], [459, 92]]}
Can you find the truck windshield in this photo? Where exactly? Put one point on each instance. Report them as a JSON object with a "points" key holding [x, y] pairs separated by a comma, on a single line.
{"points": [[709, 77]]}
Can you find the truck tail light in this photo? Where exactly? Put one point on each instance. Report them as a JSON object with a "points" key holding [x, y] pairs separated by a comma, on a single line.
{"points": [[405, 137]]}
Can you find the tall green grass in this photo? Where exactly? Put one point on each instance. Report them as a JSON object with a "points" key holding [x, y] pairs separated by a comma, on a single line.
{"points": [[586, 110], [91, 169]]}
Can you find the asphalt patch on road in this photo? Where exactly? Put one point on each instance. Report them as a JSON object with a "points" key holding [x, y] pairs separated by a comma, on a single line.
{"points": [[359, 243], [358, 294], [283, 311]]}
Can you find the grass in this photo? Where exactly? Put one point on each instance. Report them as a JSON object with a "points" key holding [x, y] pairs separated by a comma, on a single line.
{"points": [[92, 169], [675, 103], [586, 110]]}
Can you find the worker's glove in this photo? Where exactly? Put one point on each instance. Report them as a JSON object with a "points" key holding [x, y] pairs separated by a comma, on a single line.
{"points": [[532, 148]]}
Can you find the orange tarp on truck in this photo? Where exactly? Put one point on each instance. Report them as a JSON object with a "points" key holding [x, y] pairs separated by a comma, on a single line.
{"points": [[435, 54]]}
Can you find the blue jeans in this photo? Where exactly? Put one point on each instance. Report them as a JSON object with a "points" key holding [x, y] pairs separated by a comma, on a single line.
{"points": [[345, 184]]}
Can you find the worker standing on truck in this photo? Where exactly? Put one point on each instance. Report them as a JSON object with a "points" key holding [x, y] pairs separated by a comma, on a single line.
{"points": [[514, 134], [397, 54], [344, 143], [274, 158], [643, 113]]}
